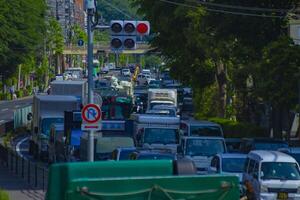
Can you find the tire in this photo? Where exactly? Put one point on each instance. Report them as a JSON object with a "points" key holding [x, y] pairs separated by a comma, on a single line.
{"points": [[184, 167]]}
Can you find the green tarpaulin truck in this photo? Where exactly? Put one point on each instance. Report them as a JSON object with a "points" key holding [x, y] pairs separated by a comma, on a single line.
{"points": [[137, 180]]}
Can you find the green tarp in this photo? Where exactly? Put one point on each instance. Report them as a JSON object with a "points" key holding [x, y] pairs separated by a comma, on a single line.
{"points": [[135, 180]]}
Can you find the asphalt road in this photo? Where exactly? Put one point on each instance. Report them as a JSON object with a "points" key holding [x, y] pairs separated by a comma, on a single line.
{"points": [[7, 108]]}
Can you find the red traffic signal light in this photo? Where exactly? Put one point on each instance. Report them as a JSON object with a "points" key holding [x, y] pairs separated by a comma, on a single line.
{"points": [[143, 28]]}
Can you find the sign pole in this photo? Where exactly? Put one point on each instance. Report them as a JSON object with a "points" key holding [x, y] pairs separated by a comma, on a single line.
{"points": [[90, 10]]}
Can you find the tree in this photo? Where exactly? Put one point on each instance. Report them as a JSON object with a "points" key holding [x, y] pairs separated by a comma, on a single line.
{"points": [[203, 48], [21, 32], [55, 43]]}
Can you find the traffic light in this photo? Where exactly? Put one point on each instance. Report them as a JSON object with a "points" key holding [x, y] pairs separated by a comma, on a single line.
{"points": [[124, 33], [142, 28]]}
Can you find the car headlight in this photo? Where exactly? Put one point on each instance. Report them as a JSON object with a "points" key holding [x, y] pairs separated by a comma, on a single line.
{"points": [[298, 190], [263, 188]]}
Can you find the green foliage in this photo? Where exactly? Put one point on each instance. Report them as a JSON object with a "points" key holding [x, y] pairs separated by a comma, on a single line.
{"points": [[4, 195], [116, 9], [278, 75], [78, 34], [21, 32], [238, 129], [55, 38], [205, 49]]}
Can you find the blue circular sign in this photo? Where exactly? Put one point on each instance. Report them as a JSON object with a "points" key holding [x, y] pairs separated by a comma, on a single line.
{"points": [[80, 43]]}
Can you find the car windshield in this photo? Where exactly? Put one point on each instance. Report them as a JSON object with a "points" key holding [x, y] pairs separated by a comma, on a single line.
{"points": [[161, 136], [47, 122], [155, 157], [296, 156], [204, 147], [233, 165], [270, 146], [279, 170], [205, 131], [160, 103]]}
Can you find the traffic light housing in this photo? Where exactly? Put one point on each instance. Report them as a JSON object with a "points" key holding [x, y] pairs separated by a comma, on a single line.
{"points": [[124, 33]]}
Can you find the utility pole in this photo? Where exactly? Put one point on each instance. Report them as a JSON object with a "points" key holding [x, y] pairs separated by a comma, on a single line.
{"points": [[90, 10]]}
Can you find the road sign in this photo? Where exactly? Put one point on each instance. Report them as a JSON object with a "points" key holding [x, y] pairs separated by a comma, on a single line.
{"points": [[91, 114], [80, 43]]}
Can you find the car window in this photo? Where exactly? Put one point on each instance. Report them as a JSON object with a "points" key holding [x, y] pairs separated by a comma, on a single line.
{"points": [[251, 166], [246, 165]]}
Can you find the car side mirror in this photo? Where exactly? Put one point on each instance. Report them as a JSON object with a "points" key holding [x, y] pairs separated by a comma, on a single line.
{"points": [[255, 175]]}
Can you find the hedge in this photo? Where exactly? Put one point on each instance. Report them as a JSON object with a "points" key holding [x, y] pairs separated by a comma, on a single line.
{"points": [[233, 129], [3, 195]]}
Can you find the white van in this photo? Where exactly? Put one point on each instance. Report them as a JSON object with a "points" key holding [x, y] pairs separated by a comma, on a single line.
{"points": [[271, 175]]}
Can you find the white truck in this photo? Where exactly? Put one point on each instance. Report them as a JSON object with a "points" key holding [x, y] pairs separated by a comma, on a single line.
{"points": [[158, 132], [162, 97], [77, 88], [47, 110]]}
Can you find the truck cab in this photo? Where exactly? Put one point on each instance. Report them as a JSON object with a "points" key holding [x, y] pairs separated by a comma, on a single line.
{"points": [[47, 110], [166, 97], [201, 128], [159, 138]]}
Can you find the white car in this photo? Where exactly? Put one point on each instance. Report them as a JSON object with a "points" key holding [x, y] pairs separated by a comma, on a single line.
{"points": [[126, 72], [142, 80], [271, 175]]}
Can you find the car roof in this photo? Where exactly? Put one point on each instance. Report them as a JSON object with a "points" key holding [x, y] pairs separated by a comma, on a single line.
{"points": [[203, 137], [126, 148], [200, 122], [267, 140], [270, 156], [232, 155]]}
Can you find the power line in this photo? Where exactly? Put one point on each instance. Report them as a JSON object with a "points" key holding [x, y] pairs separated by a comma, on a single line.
{"points": [[242, 7], [223, 11], [117, 9]]}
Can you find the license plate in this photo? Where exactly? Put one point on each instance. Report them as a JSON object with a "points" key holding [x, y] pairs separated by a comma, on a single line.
{"points": [[282, 196]]}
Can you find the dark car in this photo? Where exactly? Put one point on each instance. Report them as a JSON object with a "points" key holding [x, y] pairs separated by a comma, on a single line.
{"points": [[249, 144], [152, 155], [233, 144]]}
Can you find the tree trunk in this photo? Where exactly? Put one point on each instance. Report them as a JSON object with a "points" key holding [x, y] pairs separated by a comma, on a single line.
{"points": [[221, 77]]}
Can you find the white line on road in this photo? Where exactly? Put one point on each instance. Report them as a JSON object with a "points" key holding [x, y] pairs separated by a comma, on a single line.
{"points": [[5, 109], [18, 147], [1, 121]]}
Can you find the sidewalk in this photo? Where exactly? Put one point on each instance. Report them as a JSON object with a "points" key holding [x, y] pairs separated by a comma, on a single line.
{"points": [[17, 188], [16, 100]]}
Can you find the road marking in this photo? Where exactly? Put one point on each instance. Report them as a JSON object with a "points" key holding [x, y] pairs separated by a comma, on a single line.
{"points": [[18, 148], [1, 121], [5, 109]]}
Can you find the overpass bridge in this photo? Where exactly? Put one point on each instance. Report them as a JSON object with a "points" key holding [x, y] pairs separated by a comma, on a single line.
{"points": [[141, 48]]}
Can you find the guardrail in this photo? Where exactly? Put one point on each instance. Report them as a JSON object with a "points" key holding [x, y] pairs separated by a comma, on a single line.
{"points": [[33, 173]]}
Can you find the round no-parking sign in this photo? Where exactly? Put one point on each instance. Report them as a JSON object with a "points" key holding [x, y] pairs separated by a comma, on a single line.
{"points": [[91, 113]]}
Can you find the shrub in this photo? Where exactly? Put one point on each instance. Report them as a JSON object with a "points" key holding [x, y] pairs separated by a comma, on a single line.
{"points": [[3, 195], [239, 129], [19, 93]]}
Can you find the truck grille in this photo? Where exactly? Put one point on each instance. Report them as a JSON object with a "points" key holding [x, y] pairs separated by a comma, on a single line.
{"points": [[277, 190]]}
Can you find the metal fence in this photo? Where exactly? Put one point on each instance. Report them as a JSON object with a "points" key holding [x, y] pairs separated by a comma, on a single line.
{"points": [[33, 173]]}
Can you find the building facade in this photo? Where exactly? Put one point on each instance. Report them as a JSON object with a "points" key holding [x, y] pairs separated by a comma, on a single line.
{"points": [[68, 13]]}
